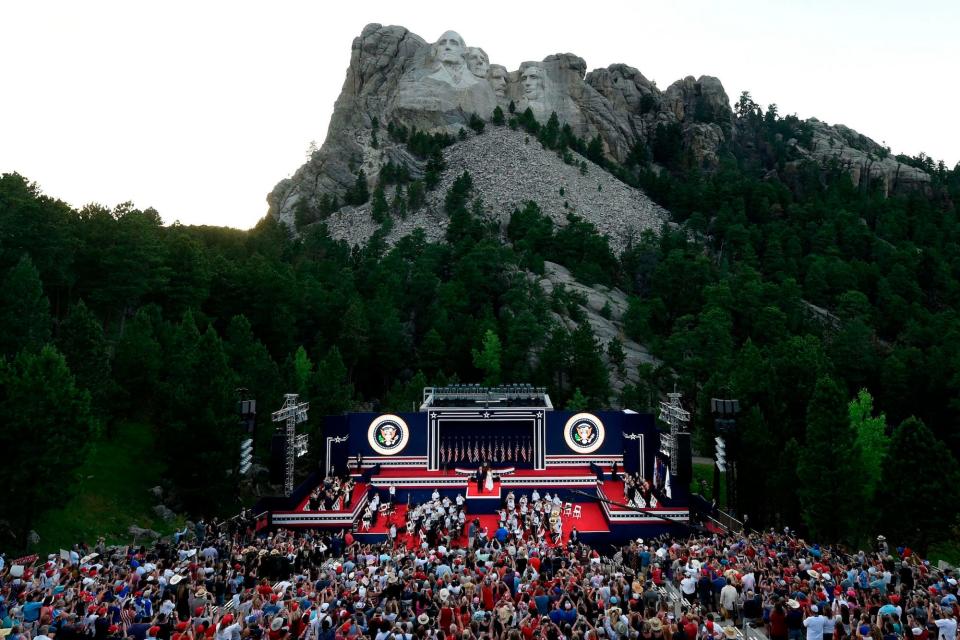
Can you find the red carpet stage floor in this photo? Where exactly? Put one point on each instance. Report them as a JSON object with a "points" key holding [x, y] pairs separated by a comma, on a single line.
{"points": [[359, 490], [473, 492], [591, 521], [616, 492]]}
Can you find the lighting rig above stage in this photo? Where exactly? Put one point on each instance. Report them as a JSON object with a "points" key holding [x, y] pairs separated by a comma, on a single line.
{"points": [[473, 396]]}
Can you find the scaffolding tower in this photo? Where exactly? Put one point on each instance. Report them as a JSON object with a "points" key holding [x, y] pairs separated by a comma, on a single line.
{"points": [[293, 413], [677, 418]]}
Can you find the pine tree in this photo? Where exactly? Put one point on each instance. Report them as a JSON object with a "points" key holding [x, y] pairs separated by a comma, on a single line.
{"points": [[872, 440], [921, 485], [87, 353], [578, 401], [333, 393], [595, 151], [431, 351], [46, 426], [255, 369], [201, 438], [487, 358], [360, 193], [588, 371], [476, 123], [497, 118], [551, 131], [617, 356], [137, 363], [24, 310], [829, 467], [379, 209]]}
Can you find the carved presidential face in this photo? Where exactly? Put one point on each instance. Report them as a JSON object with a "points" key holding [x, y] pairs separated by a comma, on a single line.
{"points": [[449, 49], [477, 61], [498, 80], [532, 79]]}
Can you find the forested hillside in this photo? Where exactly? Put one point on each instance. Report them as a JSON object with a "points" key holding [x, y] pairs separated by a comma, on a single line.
{"points": [[784, 287]]}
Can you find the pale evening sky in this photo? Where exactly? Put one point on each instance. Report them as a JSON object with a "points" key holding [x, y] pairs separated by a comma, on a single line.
{"points": [[198, 108]]}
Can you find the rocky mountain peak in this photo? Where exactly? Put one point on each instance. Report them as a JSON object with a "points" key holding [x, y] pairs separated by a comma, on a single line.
{"points": [[397, 78]]}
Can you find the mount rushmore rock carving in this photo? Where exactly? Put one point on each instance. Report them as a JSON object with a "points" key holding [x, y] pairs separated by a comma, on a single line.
{"points": [[395, 76]]}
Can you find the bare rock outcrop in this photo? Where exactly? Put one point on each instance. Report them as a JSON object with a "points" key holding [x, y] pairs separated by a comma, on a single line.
{"points": [[598, 299], [867, 162], [508, 169]]}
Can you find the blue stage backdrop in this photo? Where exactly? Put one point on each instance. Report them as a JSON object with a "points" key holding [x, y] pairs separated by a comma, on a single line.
{"points": [[426, 439]]}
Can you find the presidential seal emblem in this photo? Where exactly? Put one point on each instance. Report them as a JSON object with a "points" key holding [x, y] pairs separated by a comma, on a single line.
{"points": [[584, 433], [388, 434]]}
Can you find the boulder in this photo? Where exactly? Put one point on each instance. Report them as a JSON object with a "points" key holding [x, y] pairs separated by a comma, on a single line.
{"points": [[164, 513]]}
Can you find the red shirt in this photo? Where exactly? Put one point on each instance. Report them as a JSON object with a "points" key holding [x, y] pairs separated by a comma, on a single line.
{"points": [[528, 628], [446, 619], [778, 624], [486, 596]]}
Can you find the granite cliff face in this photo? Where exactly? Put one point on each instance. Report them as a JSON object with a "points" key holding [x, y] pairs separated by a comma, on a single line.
{"points": [[397, 77]]}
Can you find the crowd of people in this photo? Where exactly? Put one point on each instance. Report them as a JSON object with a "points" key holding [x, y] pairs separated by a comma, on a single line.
{"points": [[534, 517], [334, 494], [226, 583]]}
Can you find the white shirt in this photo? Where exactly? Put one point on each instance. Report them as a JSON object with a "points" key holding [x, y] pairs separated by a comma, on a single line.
{"points": [[948, 629], [728, 597], [231, 632], [814, 625]]}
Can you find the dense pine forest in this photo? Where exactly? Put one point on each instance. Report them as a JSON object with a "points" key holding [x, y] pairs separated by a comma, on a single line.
{"points": [[830, 311]]}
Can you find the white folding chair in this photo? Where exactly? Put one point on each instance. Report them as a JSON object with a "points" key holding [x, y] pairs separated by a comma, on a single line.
{"points": [[576, 512], [566, 508]]}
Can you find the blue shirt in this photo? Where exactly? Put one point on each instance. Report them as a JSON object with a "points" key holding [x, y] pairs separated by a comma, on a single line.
{"points": [[31, 611]]}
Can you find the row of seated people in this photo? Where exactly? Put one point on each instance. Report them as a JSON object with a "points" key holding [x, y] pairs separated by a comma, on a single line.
{"points": [[335, 494]]}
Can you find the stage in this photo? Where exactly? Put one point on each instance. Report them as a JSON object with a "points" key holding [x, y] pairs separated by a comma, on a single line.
{"points": [[590, 523], [527, 446]]}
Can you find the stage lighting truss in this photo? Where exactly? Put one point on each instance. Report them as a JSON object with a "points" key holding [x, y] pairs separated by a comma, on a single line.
{"points": [[293, 412], [677, 418]]}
